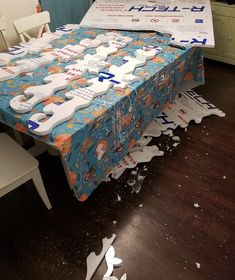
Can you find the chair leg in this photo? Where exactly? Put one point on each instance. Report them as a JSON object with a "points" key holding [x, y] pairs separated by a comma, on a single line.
{"points": [[37, 179]]}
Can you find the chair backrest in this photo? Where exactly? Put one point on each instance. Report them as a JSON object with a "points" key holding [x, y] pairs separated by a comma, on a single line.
{"points": [[27, 23], [3, 27]]}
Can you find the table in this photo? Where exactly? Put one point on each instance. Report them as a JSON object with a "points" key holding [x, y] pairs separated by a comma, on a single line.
{"points": [[99, 136]]}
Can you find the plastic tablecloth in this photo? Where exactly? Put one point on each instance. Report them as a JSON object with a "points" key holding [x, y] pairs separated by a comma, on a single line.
{"points": [[99, 136]]}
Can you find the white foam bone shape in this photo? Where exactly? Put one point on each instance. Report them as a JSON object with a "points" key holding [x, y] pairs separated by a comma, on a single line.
{"points": [[36, 45], [60, 113], [5, 58], [111, 261], [82, 98], [38, 94], [27, 65], [33, 46], [132, 159], [55, 82], [72, 51], [22, 66]]}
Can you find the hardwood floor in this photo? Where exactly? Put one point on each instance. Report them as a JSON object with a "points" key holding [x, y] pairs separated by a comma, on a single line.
{"points": [[163, 239]]}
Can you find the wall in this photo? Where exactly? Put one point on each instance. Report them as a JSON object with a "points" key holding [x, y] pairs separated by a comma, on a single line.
{"points": [[65, 11], [15, 9]]}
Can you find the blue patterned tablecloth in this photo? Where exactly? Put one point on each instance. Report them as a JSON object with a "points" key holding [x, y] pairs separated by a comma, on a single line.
{"points": [[114, 121]]}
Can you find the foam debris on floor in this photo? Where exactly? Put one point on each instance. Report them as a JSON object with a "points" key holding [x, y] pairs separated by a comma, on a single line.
{"points": [[187, 106], [93, 261], [111, 262]]}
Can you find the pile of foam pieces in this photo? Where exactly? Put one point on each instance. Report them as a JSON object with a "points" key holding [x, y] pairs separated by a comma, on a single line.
{"points": [[108, 251], [187, 106]]}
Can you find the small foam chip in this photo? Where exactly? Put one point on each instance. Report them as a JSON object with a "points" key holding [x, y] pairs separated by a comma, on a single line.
{"points": [[111, 261], [198, 265]]}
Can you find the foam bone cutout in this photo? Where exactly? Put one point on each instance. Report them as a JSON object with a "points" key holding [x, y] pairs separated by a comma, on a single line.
{"points": [[145, 54], [22, 66], [70, 51], [32, 46], [38, 93], [132, 64], [36, 45], [60, 113], [5, 58], [132, 159], [111, 261], [103, 52], [90, 43]]}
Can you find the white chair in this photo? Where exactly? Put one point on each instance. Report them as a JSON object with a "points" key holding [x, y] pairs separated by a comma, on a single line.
{"points": [[30, 22], [3, 27], [17, 166]]}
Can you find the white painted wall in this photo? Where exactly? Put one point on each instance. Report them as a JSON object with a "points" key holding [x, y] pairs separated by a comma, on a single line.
{"points": [[15, 9]]}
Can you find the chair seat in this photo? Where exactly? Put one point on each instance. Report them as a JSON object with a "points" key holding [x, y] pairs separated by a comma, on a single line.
{"points": [[15, 162]]}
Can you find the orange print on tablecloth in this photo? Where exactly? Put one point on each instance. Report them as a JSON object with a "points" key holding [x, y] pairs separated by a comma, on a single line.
{"points": [[188, 76], [88, 142], [55, 69], [143, 73], [98, 112], [81, 81], [138, 43], [21, 127], [25, 86], [148, 101], [158, 59], [53, 99], [64, 143], [47, 50], [128, 119], [83, 197], [121, 53], [181, 67], [131, 144], [72, 178], [87, 120], [89, 32]]}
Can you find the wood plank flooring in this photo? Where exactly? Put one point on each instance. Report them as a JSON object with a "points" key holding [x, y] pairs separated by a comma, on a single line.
{"points": [[160, 234]]}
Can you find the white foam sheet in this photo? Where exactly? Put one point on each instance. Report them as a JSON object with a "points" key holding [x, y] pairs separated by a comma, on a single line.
{"points": [[189, 22]]}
